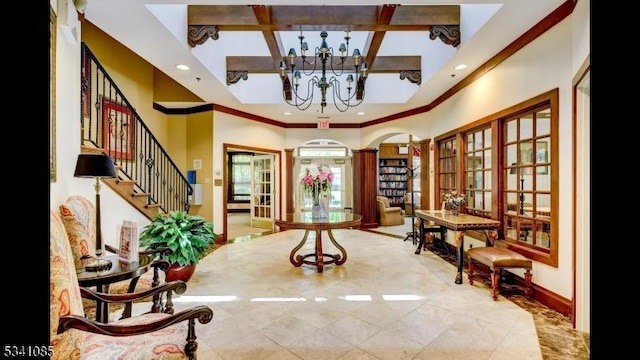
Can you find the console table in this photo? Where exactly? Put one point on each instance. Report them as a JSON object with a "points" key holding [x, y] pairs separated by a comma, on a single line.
{"points": [[458, 223], [334, 220]]}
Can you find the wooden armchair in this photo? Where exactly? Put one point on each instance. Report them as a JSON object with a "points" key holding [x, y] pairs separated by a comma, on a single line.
{"points": [[157, 335]]}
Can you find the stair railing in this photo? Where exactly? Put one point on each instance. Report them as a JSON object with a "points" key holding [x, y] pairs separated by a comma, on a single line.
{"points": [[111, 123]]}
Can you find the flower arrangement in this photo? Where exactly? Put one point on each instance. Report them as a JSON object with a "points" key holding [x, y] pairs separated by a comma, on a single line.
{"points": [[316, 180], [453, 200]]}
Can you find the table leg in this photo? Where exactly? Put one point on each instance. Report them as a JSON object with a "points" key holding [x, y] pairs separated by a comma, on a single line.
{"points": [[126, 313], [102, 308], [339, 260], [297, 260], [460, 255], [319, 256], [421, 242]]}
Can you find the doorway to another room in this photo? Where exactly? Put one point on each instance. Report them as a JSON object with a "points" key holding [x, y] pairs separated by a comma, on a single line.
{"points": [[251, 199]]}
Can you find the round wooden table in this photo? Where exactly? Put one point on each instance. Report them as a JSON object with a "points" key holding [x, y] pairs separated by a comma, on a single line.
{"points": [[120, 270], [334, 220]]}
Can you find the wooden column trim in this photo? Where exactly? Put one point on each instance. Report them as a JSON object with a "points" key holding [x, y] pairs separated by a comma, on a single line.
{"points": [[424, 173], [365, 175], [288, 169]]}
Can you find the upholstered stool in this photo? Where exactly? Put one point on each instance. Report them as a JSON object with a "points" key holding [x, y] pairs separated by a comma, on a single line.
{"points": [[499, 257]]}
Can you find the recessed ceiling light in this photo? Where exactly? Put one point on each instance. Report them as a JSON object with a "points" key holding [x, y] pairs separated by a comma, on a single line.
{"points": [[361, 113], [287, 113], [182, 67], [461, 67]]}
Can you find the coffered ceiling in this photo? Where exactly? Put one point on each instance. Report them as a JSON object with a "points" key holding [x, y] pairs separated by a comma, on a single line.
{"points": [[233, 50]]}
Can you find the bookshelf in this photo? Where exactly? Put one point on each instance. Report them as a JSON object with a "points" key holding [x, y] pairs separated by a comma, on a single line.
{"points": [[393, 173]]}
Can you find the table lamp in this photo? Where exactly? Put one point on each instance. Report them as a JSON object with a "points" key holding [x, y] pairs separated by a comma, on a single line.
{"points": [[96, 166]]}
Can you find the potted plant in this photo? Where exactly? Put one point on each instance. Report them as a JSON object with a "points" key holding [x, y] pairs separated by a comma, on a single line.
{"points": [[187, 236]]}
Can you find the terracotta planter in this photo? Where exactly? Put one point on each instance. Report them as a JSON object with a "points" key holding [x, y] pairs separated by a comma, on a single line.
{"points": [[177, 272]]}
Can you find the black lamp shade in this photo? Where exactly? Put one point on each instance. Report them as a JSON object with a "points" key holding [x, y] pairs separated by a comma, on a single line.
{"points": [[94, 165]]}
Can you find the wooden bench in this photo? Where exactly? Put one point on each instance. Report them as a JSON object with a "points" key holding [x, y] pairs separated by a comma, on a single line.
{"points": [[498, 257]]}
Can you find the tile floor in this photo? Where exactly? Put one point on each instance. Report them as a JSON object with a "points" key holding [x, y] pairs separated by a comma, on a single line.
{"points": [[384, 302]]}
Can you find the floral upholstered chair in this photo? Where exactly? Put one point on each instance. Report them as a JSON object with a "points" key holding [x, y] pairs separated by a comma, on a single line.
{"points": [[79, 218], [147, 336]]}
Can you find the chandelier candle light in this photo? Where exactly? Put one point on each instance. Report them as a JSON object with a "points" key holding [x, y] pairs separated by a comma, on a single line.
{"points": [[316, 183], [323, 54]]}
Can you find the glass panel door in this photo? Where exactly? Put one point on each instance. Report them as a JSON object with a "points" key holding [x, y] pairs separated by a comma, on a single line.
{"points": [[262, 206], [337, 200]]}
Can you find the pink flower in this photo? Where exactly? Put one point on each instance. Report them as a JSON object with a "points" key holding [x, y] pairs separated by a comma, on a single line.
{"points": [[316, 179]]}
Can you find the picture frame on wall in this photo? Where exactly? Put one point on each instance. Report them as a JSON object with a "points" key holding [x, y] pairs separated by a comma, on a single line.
{"points": [[117, 125]]}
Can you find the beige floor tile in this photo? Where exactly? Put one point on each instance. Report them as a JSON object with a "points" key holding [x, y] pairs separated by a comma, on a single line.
{"points": [[384, 302]]}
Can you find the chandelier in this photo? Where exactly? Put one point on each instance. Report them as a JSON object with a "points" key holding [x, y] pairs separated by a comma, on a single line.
{"points": [[325, 56]]}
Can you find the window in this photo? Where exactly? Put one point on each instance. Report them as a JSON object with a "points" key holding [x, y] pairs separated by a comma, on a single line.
{"points": [[240, 174], [527, 177], [447, 167], [513, 180], [477, 172], [338, 158]]}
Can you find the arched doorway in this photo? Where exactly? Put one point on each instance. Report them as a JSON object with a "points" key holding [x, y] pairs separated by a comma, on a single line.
{"points": [[338, 158]]}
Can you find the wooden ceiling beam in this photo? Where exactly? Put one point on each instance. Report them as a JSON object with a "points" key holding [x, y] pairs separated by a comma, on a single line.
{"points": [[210, 20], [264, 64], [274, 43], [328, 18], [374, 41]]}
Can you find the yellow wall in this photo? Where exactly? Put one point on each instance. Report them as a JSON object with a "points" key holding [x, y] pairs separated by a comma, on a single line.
{"points": [[200, 146], [167, 89], [184, 137], [133, 75]]}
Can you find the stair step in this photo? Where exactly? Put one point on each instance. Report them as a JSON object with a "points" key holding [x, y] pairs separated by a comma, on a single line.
{"points": [[139, 194], [84, 149], [155, 205], [126, 182]]}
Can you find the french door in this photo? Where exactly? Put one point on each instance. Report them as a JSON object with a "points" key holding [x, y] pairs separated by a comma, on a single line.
{"points": [[339, 186], [262, 188]]}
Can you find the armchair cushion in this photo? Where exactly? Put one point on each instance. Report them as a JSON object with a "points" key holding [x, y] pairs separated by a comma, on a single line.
{"points": [[64, 291], [79, 218]]}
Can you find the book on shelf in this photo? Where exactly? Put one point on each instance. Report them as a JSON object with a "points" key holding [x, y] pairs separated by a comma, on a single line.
{"points": [[129, 244]]}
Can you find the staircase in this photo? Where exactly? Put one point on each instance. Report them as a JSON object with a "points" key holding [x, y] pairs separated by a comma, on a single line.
{"points": [[147, 178]]}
